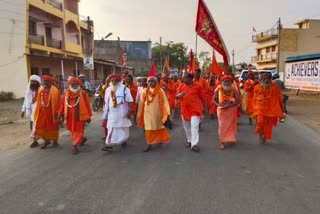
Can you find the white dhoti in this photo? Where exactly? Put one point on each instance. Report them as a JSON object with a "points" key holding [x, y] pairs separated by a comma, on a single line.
{"points": [[118, 122], [191, 129]]}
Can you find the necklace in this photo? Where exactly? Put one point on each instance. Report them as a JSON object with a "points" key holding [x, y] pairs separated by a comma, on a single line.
{"points": [[226, 95], [76, 96], [114, 99], [49, 98], [151, 95]]}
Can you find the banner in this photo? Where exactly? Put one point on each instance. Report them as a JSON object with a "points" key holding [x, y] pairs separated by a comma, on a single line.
{"points": [[166, 64], [88, 63], [207, 29], [215, 68], [304, 75]]}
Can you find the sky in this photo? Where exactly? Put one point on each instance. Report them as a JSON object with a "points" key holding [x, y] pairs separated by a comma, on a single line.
{"points": [[174, 20]]}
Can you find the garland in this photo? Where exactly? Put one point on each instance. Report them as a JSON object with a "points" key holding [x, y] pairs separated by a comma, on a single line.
{"points": [[68, 96], [226, 95], [49, 98], [151, 95], [114, 99]]}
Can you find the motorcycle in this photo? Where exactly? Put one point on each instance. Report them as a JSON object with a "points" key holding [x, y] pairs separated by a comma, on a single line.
{"points": [[98, 102]]}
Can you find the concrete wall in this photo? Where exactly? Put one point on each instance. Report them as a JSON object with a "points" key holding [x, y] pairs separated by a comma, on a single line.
{"points": [[13, 69]]}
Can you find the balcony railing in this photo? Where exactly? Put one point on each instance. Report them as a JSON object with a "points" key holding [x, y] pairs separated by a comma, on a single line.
{"points": [[54, 43], [36, 39], [268, 33], [268, 56], [55, 4]]}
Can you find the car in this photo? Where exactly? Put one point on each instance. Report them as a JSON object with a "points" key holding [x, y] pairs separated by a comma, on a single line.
{"points": [[244, 74]]}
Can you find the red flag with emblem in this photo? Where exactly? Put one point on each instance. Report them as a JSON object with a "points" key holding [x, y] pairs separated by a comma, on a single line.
{"points": [[207, 29]]}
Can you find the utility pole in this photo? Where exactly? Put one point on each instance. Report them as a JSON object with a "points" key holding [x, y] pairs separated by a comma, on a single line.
{"points": [[89, 51], [233, 61], [161, 67], [278, 51]]}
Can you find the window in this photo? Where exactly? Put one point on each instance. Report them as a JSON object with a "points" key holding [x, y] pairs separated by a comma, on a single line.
{"points": [[34, 71], [32, 27], [273, 48], [45, 71]]}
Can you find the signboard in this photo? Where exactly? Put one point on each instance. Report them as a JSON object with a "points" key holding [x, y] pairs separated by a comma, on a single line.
{"points": [[88, 62], [303, 74]]}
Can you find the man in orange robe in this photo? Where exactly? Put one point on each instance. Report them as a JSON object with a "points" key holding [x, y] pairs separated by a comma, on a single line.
{"points": [[249, 85], [133, 90], [46, 112], [153, 112], [75, 109], [192, 99], [226, 98], [211, 106], [170, 89], [267, 107]]}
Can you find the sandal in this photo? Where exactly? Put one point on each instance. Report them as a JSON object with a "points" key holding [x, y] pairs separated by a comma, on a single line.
{"points": [[195, 148], [34, 144], [107, 148], [148, 148], [83, 141], [75, 150]]}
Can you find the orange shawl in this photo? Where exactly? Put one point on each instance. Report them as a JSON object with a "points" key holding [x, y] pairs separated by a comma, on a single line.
{"points": [[145, 100], [54, 102]]}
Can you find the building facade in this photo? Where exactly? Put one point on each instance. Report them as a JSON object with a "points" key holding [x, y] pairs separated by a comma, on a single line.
{"points": [[292, 41], [54, 42], [137, 54]]}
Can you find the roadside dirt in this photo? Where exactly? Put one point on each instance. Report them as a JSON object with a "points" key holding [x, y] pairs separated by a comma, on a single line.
{"points": [[14, 130]]}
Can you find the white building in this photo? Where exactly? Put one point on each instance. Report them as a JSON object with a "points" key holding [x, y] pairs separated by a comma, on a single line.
{"points": [[13, 63]]}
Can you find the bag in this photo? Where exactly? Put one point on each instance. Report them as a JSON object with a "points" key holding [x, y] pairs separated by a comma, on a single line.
{"points": [[168, 124]]}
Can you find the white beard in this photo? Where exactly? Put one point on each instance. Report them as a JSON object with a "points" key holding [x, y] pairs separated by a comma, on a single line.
{"points": [[114, 87], [74, 90]]}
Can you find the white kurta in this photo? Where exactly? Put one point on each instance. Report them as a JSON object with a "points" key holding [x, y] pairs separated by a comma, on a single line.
{"points": [[118, 123]]}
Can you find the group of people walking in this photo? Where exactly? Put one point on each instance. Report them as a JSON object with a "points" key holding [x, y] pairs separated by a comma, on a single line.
{"points": [[152, 104]]}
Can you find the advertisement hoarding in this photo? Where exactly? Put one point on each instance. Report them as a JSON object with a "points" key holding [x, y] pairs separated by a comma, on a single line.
{"points": [[303, 74]]}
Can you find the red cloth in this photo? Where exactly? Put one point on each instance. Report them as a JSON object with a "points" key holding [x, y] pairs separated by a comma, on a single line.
{"points": [[48, 78], [74, 80], [116, 77], [191, 102], [73, 122], [212, 108], [170, 91]]}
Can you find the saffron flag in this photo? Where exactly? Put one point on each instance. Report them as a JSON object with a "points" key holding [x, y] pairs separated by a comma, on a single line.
{"points": [[207, 29], [166, 63], [215, 68], [152, 72]]}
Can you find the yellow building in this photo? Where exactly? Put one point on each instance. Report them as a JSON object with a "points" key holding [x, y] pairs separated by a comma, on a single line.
{"points": [[56, 38], [293, 41]]}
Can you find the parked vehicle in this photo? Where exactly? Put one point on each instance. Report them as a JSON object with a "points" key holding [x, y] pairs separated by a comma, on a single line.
{"points": [[98, 101], [244, 74]]}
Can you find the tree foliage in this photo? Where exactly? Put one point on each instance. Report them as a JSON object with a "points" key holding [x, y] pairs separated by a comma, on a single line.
{"points": [[177, 54]]}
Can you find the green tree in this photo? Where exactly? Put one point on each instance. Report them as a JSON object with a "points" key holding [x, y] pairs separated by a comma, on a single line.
{"points": [[205, 60], [176, 52]]}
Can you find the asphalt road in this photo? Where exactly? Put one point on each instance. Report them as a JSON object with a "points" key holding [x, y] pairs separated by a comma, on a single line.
{"points": [[281, 177]]}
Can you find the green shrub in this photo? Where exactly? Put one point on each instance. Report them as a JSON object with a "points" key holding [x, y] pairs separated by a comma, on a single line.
{"points": [[6, 95]]}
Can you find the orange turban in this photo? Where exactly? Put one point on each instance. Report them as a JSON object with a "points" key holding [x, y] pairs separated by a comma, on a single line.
{"points": [[47, 78], [116, 77], [227, 77], [164, 75], [74, 80]]}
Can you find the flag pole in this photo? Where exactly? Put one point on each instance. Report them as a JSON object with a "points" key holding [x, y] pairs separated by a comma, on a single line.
{"points": [[196, 44]]}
